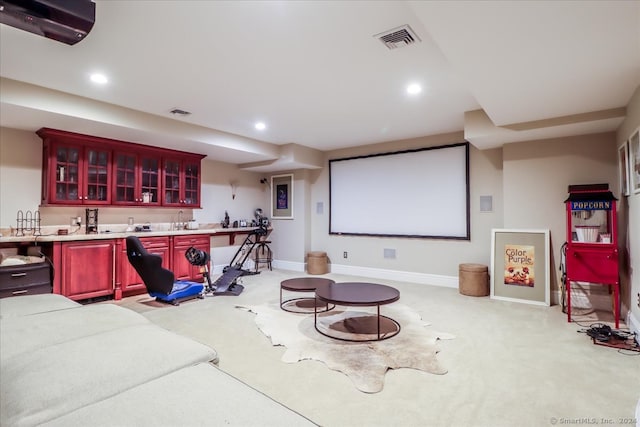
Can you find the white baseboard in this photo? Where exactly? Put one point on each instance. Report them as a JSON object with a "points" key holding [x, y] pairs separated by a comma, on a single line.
{"points": [[288, 265], [402, 276], [377, 273]]}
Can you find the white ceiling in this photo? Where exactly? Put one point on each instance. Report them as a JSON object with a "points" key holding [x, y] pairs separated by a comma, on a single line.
{"points": [[313, 71]]}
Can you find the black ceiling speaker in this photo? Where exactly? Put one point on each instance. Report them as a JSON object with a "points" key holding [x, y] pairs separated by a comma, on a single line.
{"points": [[67, 21]]}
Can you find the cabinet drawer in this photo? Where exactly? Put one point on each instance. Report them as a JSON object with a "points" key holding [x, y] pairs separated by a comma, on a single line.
{"points": [[154, 242], [193, 240], [24, 275], [43, 288], [25, 279]]}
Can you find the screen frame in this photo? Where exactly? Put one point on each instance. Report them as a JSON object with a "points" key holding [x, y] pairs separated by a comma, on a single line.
{"points": [[467, 233]]}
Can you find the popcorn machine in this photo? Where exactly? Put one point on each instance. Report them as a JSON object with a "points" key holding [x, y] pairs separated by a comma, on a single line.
{"points": [[592, 241]]}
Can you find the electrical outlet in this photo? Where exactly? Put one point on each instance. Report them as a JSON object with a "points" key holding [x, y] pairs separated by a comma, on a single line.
{"points": [[389, 253], [344, 254], [638, 300]]}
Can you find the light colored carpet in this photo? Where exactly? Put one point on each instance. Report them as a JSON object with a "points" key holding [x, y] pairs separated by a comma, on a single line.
{"points": [[510, 364], [365, 363]]}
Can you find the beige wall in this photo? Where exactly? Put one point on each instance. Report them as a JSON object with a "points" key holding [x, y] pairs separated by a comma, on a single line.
{"points": [[630, 225], [20, 174], [290, 237], [438, 257], [537, 175], [20, 184], [527, 180]]}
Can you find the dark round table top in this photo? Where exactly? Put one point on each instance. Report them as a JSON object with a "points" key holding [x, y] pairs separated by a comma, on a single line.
{"points": [[304, 284], [357, 293]]}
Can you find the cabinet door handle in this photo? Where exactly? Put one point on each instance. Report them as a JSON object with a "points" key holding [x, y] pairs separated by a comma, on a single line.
{"points": [[24, 291], [18, 274]]}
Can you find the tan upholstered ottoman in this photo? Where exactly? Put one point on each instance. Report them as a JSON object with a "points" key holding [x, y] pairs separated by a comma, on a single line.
{"points": [[473, 280], [317, 263]]}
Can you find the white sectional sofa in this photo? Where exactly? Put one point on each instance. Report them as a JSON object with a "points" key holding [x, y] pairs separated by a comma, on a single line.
{"points": [[67, 364]]}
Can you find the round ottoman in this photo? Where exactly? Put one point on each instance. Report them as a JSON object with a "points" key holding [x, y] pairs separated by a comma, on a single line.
{"points": [[317, 263], [473, 280]]}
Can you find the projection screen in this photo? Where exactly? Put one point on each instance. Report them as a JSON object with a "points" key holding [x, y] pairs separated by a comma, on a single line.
{"points": [[413, 193]]}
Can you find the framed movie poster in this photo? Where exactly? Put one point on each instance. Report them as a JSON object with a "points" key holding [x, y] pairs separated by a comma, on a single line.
{"points": [[282, 196], [520, 266]]}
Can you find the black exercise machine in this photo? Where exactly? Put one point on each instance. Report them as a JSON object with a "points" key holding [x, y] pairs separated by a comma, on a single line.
{"points": [[227, 283]]}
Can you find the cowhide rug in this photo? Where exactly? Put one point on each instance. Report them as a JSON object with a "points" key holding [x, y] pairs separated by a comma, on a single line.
{"points": [[365, 362]]}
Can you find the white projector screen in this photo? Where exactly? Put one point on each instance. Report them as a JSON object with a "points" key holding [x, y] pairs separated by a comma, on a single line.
{"points": [[414, 193]]}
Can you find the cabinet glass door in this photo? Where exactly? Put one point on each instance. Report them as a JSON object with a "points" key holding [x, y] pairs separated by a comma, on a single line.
{"points": [[172, 182], [192, 184], [97, 176], [150, 180], [67, 174], [125, 173]]}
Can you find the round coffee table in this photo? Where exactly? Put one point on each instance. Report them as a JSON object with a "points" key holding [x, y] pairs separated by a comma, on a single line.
{"points": [[303, 284], [374, 328]]}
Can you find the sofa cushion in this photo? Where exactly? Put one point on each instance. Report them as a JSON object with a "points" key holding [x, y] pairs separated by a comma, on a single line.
{"points": [[20, 334], [49, 382], [200, 395], [31, 304]]}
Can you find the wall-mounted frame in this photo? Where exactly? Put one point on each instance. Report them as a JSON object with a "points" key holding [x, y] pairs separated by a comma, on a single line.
{"points": [[634, 160], [520, 266], [623, 168], [282, 196]]}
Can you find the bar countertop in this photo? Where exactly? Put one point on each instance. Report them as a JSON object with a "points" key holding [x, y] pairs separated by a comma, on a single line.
{"points": [[118, 233]]}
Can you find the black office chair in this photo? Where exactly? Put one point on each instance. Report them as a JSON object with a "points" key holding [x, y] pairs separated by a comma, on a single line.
{"points": [[159, 281]]}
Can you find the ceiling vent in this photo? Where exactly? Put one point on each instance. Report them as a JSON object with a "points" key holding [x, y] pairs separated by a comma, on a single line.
{"points": [[398, 37], [179, 112]]}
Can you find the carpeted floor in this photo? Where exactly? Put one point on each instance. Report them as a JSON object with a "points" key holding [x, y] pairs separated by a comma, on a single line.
{"points": [[510, 364]]}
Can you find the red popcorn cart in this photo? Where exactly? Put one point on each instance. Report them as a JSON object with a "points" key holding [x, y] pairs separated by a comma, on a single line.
{"points": [[592, 241]]}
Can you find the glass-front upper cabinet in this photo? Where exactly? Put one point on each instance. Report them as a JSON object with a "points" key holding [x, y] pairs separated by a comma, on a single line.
{"points": [[97, 176], [136, 179], [67, 174], [171, 175], [192, 183], [79, 175], [150, 180], [89, 170], [181, 179]]}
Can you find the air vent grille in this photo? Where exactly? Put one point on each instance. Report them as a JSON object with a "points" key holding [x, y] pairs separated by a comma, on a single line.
{"points": [[179, 112], [398, 37]]}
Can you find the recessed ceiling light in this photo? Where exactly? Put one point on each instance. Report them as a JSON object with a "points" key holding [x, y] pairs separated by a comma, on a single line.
{"points": [[261, 126], [99, 78], [414, 89]]}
